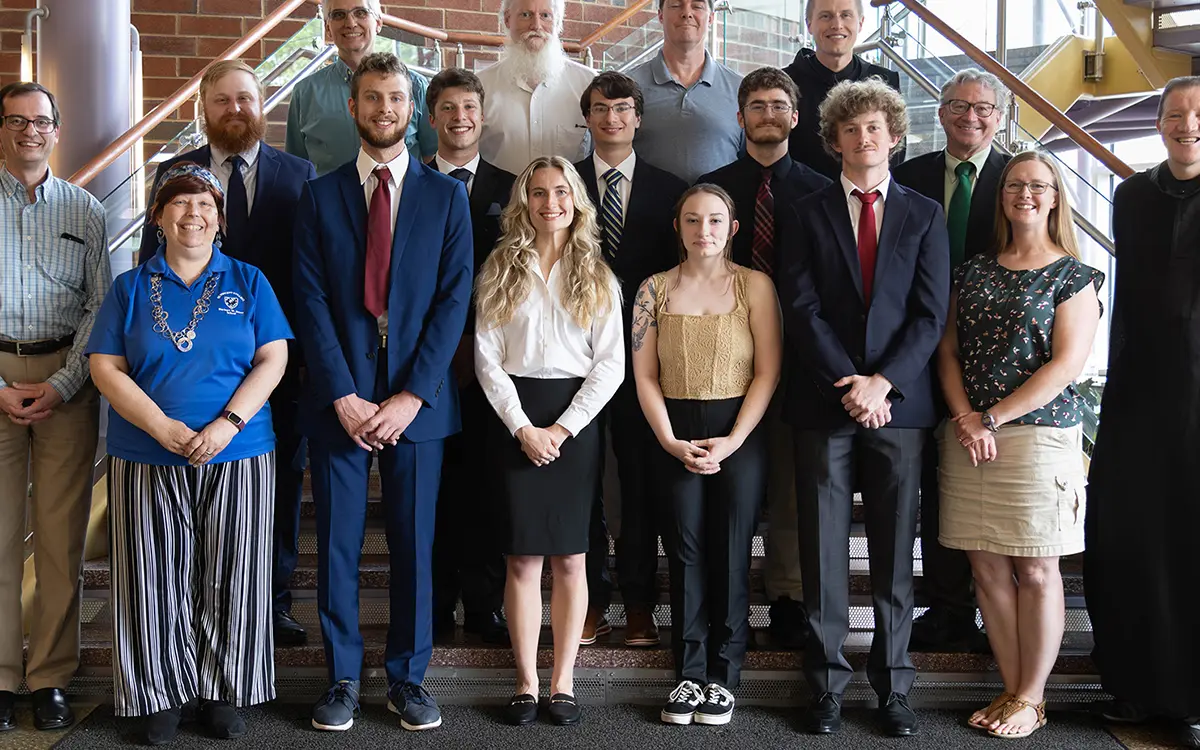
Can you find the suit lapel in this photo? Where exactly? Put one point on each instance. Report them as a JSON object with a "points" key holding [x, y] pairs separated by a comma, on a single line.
{"points": [[411, 192], [839, 219], [481, 192], [264, 185], [356, 205], [895, 216], [987, 184], [587, 172]]}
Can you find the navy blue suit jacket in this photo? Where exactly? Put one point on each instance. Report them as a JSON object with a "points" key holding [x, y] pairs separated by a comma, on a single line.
{"points": [[428, 295], [826, 319]]}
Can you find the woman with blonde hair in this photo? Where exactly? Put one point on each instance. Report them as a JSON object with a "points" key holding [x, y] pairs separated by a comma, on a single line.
{"points": [[707, 348], [549, 354], [1021, 324]]}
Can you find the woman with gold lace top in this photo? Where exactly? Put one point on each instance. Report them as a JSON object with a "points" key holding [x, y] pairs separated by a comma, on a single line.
{"points": [[706, 357]]}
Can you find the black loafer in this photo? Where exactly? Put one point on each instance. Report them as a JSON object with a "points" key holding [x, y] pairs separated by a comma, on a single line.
{"points": [[521, 710], [896, 718], [51, 710], [564, 711], [288, 632], [8, 710], [160, 727], [222, 720], [489, 626], [824, 715]]}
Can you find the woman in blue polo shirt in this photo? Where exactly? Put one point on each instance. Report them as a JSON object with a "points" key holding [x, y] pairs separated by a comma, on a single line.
{"points": [[187, 348]]}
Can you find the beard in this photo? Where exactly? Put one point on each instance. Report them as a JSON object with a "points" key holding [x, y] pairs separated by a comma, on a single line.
{"points": [[380, 141], [769, 136], [235, 133], [532, 68]]}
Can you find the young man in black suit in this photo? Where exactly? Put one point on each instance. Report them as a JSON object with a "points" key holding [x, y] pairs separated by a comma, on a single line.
{"points": [[764, 183], [262, 188], [636, 205], [864, 291], [465, 555], [964, 178]]}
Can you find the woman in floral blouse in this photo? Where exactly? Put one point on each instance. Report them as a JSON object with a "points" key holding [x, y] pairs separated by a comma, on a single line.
{"points": [[1021, 324]]}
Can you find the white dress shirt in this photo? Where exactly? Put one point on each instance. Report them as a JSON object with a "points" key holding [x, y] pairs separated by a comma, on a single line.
{"points": [[446, 167], [543, 341], [624, 187], [366, 174], [522, 123], [952, 163], [220, 166], [854, 205]]}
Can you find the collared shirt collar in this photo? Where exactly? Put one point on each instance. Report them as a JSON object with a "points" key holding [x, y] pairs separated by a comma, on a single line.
{"points": [[849, 187], [9, 184], [446, 167], [158, 264], [662, 75], [343, 70], [978, 160], [398, 167], [779, 169], [250, 155], [625, 167]]}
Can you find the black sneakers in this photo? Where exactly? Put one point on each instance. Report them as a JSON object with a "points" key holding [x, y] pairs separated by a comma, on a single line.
{"points": [[338, 708], [681, 706], [717, 707]]}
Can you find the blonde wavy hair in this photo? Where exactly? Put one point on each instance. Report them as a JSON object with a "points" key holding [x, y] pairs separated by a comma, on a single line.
{"points": [[508, 273]]}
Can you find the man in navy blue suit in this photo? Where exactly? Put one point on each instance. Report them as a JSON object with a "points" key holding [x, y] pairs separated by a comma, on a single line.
{"points": [[864, 291], [383, 283], [262, 187]]}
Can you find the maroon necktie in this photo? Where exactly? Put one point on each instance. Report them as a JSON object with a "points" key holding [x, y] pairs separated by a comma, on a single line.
{"points": [[379, 244], [762, 246], [868, 241]]}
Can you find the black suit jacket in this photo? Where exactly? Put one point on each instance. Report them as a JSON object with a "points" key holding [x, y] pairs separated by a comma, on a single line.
{"points": [[489, 195], [269, 245], [835, 333], [648, 243], [791, 182], [927, 175]]}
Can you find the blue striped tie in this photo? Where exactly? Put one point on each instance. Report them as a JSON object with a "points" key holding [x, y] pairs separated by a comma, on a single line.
{"points": [[611, 220]]}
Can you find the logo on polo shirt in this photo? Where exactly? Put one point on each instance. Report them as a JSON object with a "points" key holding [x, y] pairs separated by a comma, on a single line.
{"points": [[231, 303]]}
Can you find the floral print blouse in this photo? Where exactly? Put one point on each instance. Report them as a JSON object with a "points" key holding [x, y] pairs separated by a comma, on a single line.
{"points": [[1005, 324]]}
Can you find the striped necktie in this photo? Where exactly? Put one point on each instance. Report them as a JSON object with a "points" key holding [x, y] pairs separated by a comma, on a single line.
{"points": [[611, 218], [762, 247]]}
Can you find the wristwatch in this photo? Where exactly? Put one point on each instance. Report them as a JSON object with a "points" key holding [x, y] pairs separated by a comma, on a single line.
{"points": [[989, 421], [233, 419]]}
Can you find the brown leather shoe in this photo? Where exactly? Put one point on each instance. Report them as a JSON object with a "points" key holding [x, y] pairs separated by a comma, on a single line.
{"points": [[640, 628], [594, 625]]}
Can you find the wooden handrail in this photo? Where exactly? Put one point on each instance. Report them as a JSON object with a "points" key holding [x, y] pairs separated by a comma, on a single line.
{"points": [[106, 157], [613, 23], [1018, 87]]}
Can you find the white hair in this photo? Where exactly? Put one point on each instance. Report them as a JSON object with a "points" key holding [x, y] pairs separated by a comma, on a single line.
{"points": [[559, 6], [372, 5], [983, 78]]}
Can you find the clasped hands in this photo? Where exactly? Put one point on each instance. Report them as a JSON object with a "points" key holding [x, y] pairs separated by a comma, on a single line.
{"points": [[703, 456], [979, 441], [197, 447], [541, 444], [373, 426], [867, 399], [41, 398]]}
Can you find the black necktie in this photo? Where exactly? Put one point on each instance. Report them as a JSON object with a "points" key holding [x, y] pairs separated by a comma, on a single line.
{"points": [[462, 174], [237, 210]]}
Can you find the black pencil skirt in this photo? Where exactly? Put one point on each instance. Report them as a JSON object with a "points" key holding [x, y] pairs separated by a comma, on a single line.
{"points": [[545, 510]]}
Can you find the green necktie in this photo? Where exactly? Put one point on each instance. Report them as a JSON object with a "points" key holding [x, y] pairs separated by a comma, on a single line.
{"points": [[960, 211]]}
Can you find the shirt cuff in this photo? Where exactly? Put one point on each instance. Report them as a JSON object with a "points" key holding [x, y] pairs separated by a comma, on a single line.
{"points": [[573, 420], [515, 420], [66, 385]]}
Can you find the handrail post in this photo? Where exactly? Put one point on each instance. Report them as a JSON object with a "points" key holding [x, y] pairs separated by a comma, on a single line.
{"points": [[27, 73], [460, 56], [589, 58], [1002, 32], [437, 53]]}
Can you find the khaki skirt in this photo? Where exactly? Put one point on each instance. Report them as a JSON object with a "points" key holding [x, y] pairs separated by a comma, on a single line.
{"points": [[1029, 502]]}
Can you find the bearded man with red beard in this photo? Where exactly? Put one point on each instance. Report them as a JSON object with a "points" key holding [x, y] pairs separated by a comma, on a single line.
{"points": [[262, 187]]}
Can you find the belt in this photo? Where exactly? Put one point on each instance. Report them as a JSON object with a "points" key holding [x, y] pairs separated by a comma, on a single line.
{"points": [[34, 348]]}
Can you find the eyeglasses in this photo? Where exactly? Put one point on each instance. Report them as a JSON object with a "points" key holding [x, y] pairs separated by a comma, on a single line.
{"points": [[960, 107], [777, 108], [40, 124], [359, 14], [1036, 188], [602, 110]]}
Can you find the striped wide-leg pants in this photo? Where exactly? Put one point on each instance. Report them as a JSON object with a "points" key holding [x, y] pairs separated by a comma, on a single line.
{"points": [[191, 583]]}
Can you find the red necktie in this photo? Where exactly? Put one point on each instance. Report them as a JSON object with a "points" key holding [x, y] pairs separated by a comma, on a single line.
{"points": [[868, 241], [379, 244], [762, 246]]}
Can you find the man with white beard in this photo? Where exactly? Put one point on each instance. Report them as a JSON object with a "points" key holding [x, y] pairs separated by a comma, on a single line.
{"points": [[532, 103]]}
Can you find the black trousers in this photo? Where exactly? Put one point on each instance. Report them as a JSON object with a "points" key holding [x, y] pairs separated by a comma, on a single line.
{"points": [[947, 574], [466, 547], [885, 465], [290, 455], [709, 525]]}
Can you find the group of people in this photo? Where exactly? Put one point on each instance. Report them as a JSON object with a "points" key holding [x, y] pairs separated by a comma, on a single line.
{"points": [[721, 277]]}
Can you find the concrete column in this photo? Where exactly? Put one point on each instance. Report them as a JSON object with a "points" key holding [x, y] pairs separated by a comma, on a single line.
{"points": [[83, 57]]}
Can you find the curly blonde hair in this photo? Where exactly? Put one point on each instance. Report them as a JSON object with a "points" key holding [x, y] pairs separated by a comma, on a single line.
{"points": [[850, 99], [508, 273]]}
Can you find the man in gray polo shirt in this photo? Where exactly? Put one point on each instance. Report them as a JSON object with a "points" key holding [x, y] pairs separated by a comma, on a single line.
{"points": [[690, 123]]}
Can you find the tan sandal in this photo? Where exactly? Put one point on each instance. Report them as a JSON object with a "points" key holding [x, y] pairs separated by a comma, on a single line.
{"points": [[1011, 708], [992, 707]]}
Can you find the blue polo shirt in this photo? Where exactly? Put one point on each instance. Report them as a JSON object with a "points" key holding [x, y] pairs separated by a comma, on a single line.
{"points": [[192, 387]]}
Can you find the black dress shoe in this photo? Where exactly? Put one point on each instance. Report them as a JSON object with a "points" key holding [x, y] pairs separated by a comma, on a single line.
{"points": [[288, 632], [942, 630], [563, 710], [896, 718], [160, 727], [1189, 736], [8, 710], [489, 626], [824, 715], [222, 720], [521, 710], [51, 710], [789, 624]]}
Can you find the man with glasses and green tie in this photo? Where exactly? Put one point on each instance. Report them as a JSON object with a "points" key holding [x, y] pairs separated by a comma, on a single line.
{"points": [[964, 178], [763, 183], [54, 273]]}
